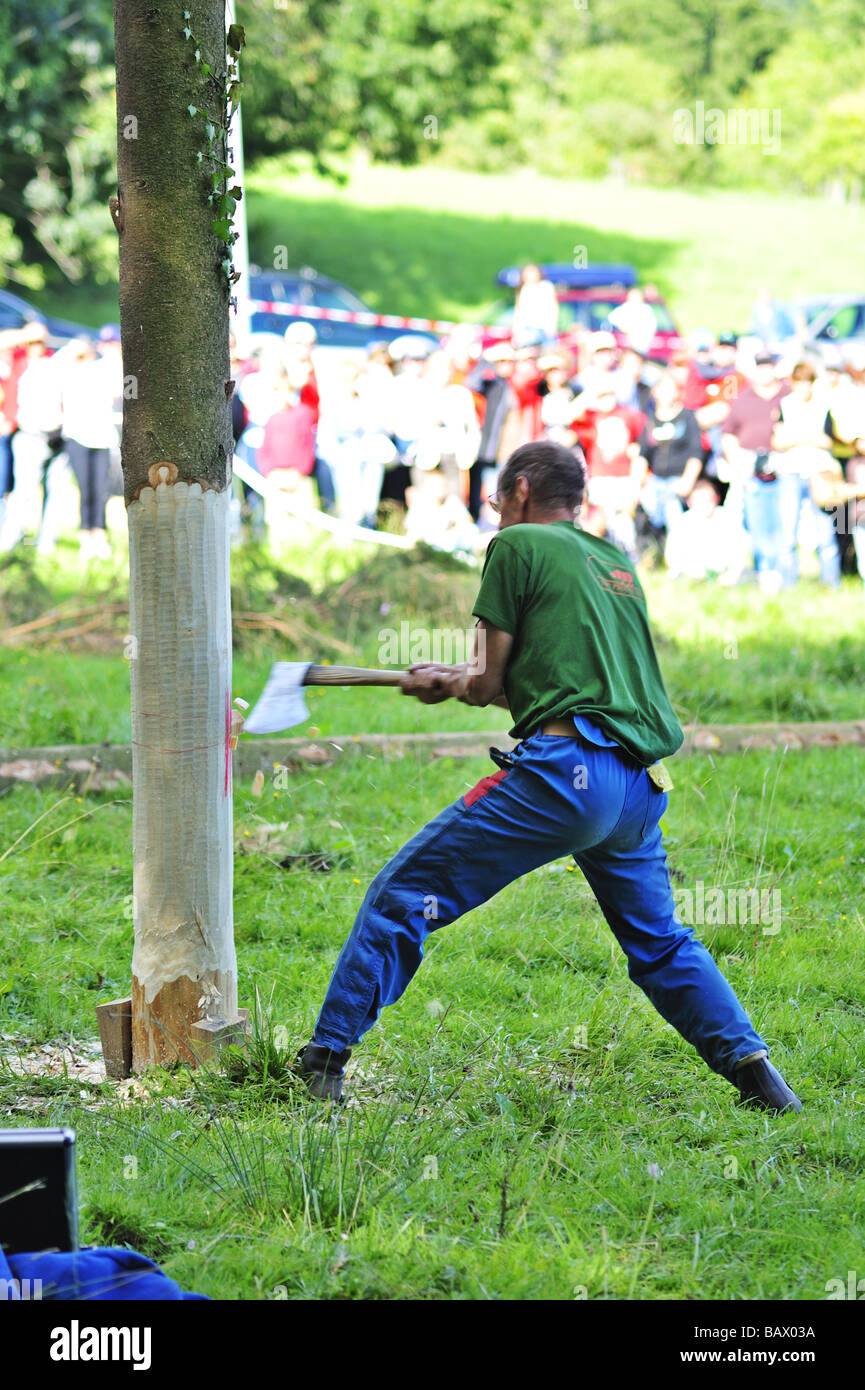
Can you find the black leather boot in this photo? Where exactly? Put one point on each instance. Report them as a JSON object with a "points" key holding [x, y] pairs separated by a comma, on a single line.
{"points": [[322, 1069], [760, 1084]]}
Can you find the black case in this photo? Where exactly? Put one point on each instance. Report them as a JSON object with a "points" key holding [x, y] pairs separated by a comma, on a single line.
{"points": [[38, 1197]]}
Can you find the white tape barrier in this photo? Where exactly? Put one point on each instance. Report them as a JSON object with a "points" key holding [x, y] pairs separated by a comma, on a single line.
{"points": [[367, 318], [266, 488]]}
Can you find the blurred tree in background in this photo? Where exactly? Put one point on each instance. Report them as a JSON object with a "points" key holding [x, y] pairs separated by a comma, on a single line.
{"points": [[323, 75], [56, 136], [574, 88]]}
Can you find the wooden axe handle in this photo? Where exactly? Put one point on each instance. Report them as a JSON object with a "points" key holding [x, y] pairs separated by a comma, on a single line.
{"points": [[351, 675]]}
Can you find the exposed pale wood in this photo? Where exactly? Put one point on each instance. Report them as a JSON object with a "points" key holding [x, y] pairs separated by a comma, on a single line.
{"points": [[115, 1033], [209, 1038], [164, 1031]]}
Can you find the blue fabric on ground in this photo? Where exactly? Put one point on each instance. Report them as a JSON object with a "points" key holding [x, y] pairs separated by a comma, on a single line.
{"points": [[97, 1275], [6, 1278]]}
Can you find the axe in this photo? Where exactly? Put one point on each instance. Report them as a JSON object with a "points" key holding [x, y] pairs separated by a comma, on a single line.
{"points": [[282, 704]]}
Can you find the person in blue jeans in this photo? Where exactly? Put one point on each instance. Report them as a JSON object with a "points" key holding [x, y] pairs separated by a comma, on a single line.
{"points": [[795, 499], [761, 500], [754, 493], [802, 448], [564, 644], [671, 449]]}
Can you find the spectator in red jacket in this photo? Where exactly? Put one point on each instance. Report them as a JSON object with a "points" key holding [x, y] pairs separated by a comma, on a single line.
{"points": [[299, 340], [525, 384], [288, 446], [14, 356], [287, 459], [286, 454], [35, 503], [609, 434]]}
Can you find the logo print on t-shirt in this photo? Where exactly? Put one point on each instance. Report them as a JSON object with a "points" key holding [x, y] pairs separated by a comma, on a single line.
{"points": [[611, 576]]}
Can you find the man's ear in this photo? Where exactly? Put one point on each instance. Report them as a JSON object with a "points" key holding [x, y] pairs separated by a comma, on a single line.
{"points": [[521, 489]]}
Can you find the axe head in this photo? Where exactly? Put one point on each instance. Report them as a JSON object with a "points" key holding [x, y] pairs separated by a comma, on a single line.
{"points": [[281, 705]]}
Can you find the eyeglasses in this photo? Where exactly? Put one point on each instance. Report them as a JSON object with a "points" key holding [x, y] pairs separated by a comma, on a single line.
{"points": [[494, 503]]}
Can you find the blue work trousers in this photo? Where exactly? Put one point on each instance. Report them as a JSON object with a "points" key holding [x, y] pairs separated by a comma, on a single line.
{"points": [[762, 510], [794, 498], [562, 796]]}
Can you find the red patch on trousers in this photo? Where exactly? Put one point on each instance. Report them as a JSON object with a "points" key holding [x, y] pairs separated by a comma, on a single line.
{"points": [[227, 786], [484, 786]]}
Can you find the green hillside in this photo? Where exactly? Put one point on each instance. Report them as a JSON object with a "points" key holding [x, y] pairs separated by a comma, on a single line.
{"points": [[429, 240]]}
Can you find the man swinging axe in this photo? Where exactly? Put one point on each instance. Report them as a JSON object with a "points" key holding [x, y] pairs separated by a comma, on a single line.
{"points": [[567, 649]]}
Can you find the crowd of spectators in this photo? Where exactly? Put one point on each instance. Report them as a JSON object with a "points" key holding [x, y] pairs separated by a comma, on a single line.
{"points": [[723, 463], [59, 411]]}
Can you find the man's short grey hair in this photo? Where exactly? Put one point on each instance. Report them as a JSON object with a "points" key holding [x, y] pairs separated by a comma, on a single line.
{"points": [[556, 475]]}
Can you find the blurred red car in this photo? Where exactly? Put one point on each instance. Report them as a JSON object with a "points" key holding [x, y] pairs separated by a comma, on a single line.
{"points": [[587, 295]]}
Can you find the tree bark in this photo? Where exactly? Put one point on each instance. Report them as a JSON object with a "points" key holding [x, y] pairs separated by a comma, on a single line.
{"points": [[176, 453], [173, 297]]}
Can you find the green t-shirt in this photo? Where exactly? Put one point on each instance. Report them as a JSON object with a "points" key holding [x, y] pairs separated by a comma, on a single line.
{"points": [[582, 645]]}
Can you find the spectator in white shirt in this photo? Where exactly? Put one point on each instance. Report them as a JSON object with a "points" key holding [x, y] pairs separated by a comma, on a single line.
{"points": [[354, 444], [706, 541], [636, 319], [89, 391], [801, 448], [36, 449], [557, 402], [536, 309]]}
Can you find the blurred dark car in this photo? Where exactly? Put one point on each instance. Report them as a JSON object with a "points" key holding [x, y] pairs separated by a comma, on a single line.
{"points": [[271, 292], [16, 312]]}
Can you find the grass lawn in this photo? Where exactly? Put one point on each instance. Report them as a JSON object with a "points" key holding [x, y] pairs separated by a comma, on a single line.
{"points": [[727, 656], [88, 304], [429, 240], [523, 1124]]}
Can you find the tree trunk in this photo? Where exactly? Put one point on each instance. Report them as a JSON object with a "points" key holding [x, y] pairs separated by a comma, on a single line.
{"points": [[176, 452]]}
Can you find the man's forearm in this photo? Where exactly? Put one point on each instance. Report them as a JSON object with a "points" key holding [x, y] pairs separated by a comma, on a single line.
{"points": [[459, 683], [480, 691], [476, 682]]}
